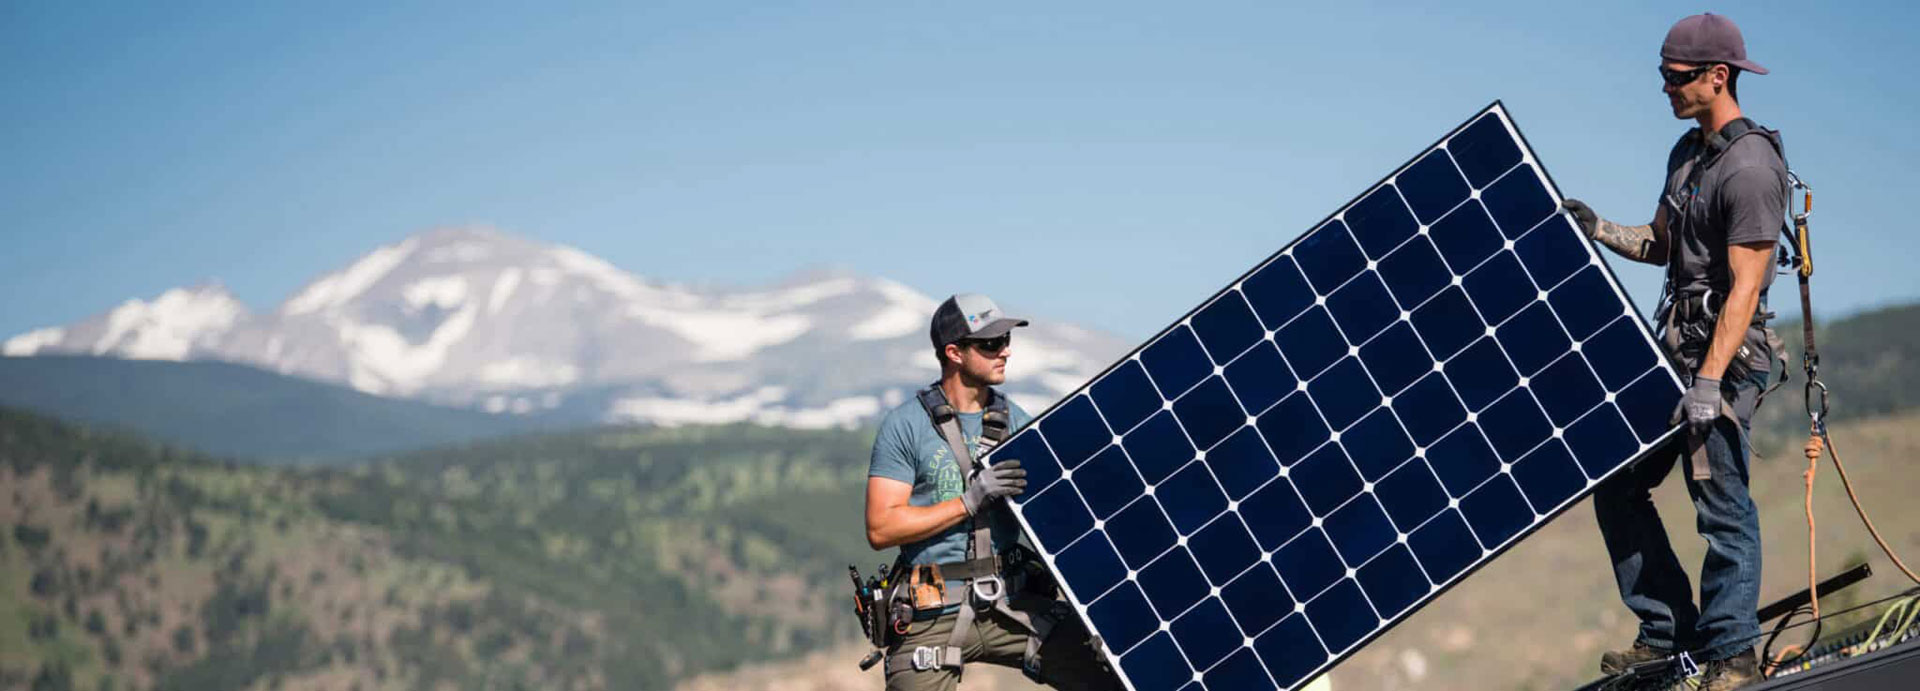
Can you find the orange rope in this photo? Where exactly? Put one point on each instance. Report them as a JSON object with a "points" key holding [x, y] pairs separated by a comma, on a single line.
{"points": [[1857, 508], [1813, 578]]}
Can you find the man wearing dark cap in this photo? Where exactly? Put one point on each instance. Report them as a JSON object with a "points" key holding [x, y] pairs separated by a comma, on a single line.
{"points": [[1724, 203], [976, 594]]}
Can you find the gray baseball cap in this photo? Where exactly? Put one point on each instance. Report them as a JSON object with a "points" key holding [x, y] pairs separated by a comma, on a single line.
{"points": [[970, 316], [1704, 38]]}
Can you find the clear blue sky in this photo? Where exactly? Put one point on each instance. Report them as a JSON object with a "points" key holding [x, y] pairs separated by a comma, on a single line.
{"points": [[1104, 163]]}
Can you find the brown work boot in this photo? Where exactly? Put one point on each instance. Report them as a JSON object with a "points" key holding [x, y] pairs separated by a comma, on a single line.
{"points": [[1616, 661], [1731, 673]]}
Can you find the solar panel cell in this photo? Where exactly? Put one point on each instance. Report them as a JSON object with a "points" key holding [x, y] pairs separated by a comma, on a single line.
{"points": [[1329, 257], [1157, 664], [1445, 546], [1362, 308], [1227, 327], [1125, 397], [1341, 615], [1541, 340], [1140, 532], [1518, 202], [1395, 358], [1359, 529], [1208, 413], [1431, 186], [1224, 549], [1331, 440], [1278, 292], [1414, 273], [1175, 362], [1256, 599], [1447, 323], [1484, 151], [1466, 238], [1411, 495], [1206, 634], [1377, 444], [1260, 378], [1393, 581], [1380, 221], [1275, 514]]}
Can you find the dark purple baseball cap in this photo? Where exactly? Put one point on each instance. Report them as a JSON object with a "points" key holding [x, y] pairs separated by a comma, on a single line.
{"points": [[1704, 38]]}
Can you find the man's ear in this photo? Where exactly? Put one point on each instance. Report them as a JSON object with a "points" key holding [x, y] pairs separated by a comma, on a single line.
{"points": [[951, 352]]}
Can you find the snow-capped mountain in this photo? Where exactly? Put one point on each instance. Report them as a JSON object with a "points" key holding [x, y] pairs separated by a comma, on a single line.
{"points": [[478, 318]]}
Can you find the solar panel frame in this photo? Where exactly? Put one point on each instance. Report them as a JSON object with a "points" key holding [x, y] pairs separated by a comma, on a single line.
{"points": [[1180, 336]]}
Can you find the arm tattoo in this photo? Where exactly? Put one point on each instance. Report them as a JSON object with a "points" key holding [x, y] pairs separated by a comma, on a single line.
{"points": [[1633, 242]]}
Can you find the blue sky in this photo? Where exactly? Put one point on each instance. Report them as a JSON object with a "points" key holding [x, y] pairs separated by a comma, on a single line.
{"points": [[1103, 163]]}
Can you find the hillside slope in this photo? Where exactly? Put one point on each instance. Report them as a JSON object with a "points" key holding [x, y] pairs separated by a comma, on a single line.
{"points": [[236, 410], [597, 560]]}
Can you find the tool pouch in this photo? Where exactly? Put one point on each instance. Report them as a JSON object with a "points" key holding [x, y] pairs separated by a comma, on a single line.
{"points": [[928, 588]]}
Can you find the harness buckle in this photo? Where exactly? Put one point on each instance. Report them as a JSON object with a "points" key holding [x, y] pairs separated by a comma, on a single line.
{"points": [[989, 588], [926, 658], [1687, 666]]}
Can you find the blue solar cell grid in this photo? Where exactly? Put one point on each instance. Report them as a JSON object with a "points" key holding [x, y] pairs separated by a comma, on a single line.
{"points": [[1346, 430]]}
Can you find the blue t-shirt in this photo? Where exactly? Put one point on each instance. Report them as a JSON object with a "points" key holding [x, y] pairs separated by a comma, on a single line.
{"points": [[909, 449]]}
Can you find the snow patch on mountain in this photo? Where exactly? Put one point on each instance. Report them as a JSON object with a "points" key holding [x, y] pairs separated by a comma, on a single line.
{"points": [[905, 312], [386, 363], [168, 327], [337, 289], [32, 341], [763, 406], [503, 289], [525, 371], [445, 292]]}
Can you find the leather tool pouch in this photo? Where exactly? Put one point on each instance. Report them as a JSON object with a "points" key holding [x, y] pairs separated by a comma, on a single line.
{"points": [[929, 589]]}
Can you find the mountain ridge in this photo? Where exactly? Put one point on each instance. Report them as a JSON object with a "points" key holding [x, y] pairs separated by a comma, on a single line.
{"points": [[477, 318]]}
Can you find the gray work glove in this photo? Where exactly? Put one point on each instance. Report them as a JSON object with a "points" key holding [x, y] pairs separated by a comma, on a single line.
{"points": [[1002, 479], [1701, 404], [1582, 214]]}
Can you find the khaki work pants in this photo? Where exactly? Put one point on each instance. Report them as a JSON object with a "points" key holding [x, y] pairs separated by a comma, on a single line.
{"points": [[1067, 660]]}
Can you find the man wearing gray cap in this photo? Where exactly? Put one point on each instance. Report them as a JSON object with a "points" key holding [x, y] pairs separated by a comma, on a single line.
{"points": [[1724, 203], [966, 590]]}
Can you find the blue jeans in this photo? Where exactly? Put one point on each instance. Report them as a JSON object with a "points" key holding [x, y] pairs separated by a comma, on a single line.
{"points": [[1651, 580]]}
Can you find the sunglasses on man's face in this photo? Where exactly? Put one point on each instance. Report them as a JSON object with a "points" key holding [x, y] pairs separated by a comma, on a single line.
{"points": [[989, 345], [1682, 77]]}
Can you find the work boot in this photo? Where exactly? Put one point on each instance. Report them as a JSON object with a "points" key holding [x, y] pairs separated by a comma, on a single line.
{"points": [[1731, 673], [1616, 661]]}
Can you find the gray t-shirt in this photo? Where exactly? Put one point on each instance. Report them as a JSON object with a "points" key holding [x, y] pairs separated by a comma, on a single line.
{"points": [[909, 449], [1721, 193]]}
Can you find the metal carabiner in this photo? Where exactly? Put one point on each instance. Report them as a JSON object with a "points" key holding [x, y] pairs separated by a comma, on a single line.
{"points": [[1819, 415]]}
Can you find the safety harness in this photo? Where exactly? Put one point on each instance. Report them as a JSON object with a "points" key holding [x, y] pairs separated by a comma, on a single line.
{"points": [[1687, 321], [985, 588]]}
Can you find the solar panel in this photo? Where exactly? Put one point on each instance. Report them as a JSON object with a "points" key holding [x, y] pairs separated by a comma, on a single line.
{"points": [[1348, 429]]}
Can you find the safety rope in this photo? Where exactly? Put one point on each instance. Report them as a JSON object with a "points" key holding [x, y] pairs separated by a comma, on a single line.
{"points": [[1816, 404]]}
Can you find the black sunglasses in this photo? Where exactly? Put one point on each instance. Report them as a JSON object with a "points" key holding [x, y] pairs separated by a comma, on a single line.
{"points": [[1682, 77], [989, 345]]}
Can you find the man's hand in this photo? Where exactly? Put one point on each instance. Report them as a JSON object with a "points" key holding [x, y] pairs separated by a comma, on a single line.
{"points": [[1002, 479], [1639, 243], [1701, 404], [1584, 215]]}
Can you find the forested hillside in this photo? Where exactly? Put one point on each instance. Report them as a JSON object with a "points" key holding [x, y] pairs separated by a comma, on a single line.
{"points": [[590, 561]]}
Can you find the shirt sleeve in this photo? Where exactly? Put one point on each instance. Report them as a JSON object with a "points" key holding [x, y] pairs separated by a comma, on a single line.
{"points": [[1755, 205], [892, 451]]}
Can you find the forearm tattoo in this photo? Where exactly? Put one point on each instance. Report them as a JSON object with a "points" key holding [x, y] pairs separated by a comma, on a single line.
{"points": [[1633, 242]]}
